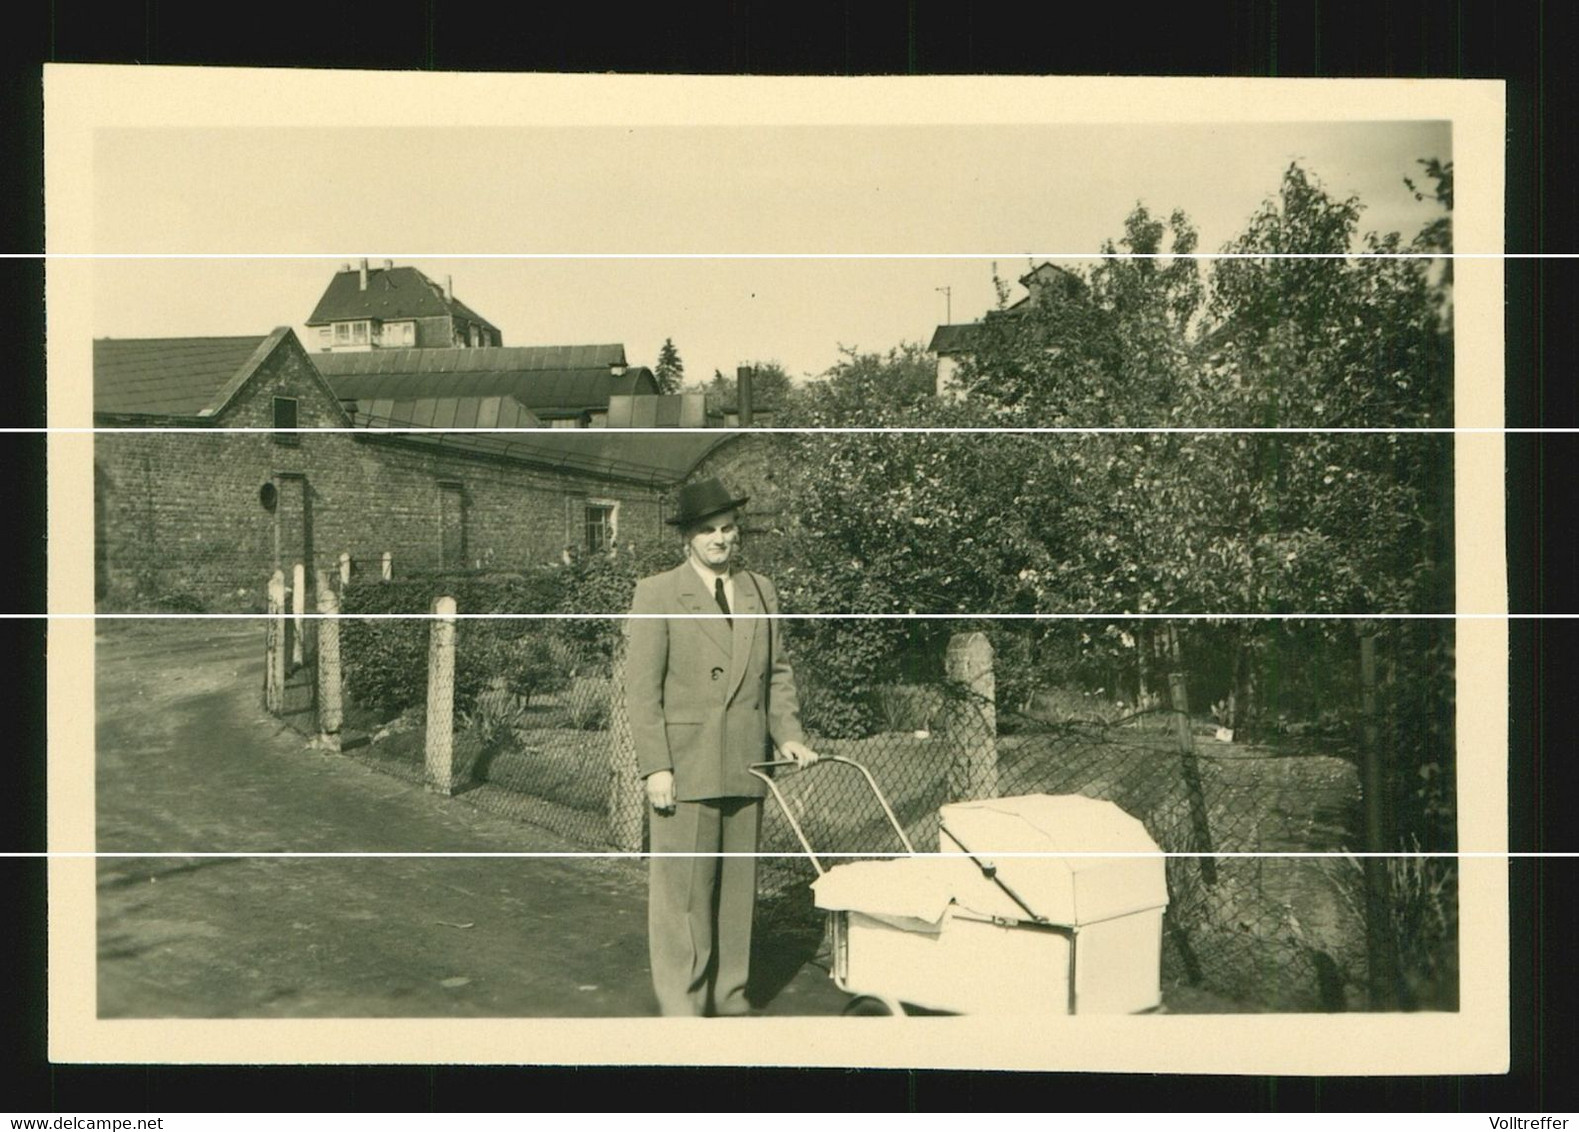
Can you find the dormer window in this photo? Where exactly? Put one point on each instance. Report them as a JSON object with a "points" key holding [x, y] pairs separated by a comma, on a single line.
{"points": [[356, 333], [398, 334]]}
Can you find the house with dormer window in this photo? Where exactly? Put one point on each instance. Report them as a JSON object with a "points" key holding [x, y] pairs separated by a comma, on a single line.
{"points": [[1045, 284], [389, 307]]}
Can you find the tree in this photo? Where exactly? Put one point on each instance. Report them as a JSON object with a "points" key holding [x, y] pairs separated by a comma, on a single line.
{"points": [[1108, 347], [1160, 523], [670, 370], [868, 388], [771, 389]]}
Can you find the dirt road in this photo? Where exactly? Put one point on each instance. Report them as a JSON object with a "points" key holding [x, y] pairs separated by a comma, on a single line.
{"points": [[188, 762]]}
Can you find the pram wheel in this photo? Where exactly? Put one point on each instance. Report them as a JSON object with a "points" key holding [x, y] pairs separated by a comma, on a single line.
{"points": [[873, 1006]]}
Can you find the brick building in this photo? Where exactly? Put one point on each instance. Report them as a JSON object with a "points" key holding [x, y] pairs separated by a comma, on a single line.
{"points": [[201, 517]]}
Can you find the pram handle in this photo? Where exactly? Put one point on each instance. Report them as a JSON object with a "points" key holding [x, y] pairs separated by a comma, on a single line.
{"points": [[759, 770]]}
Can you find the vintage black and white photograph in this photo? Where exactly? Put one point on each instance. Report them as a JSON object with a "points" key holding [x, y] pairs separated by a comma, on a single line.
{"points": [[1007, 576]]}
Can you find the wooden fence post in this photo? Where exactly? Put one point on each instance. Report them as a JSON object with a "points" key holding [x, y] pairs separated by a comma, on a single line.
{"points": [[1184, 739], [387, 567], [627, 791], [299, 614], [439, 751], [971, 718], [274, 647], [330, 702], [1381, 947]]}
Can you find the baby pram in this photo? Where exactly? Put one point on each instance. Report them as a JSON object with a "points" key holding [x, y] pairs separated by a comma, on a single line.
{"points": [[1004, 919]]}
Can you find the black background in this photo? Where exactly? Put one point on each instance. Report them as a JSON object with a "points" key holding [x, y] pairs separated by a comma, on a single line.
{"points": [[1529, 46]]}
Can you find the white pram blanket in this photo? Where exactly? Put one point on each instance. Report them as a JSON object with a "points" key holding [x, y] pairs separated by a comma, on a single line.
{"points": [[913, 893]]}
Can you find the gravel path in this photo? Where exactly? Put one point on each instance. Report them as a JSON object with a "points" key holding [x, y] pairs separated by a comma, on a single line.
{"points": [[188, 762]]}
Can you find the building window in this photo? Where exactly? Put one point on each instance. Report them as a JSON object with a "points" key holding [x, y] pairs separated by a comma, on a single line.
{"points": [[285, 417], [342, 334], [398, 334], [602, 523], [359, 333]]}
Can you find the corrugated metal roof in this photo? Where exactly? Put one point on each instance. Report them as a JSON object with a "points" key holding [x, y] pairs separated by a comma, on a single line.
{"points": [[473, 359], [676, 410], [392, 293], [654, 459], [547, 392], [166, 376]]}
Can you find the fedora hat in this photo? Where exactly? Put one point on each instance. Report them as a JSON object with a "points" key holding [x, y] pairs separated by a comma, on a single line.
{"points": [[701, 500]]}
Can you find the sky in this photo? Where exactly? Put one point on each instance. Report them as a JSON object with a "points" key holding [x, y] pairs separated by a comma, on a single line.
{"points": [[600, 199]]}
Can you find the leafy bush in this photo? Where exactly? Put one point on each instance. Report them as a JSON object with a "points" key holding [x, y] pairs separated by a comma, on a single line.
{"points": [[487, 729], [522, 658], [586, 703], [909, 707], [1068, 705], [386, 660]]}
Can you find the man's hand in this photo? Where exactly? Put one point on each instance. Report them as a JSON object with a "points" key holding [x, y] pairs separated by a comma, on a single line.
{"points": [[660, 791], [798, 753]]}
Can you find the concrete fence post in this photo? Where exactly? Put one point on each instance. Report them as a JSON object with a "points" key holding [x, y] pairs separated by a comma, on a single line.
{"points": [[627, 792], [330, 700], [440, 747], [387, 567], [274, 647], [299, 614], [971, 718], [345, 569]]}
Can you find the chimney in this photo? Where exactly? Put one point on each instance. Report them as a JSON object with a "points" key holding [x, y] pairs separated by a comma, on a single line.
{"points": [[345, 267], [743, 376], [389, 265], [362, 277], [449, 289]]}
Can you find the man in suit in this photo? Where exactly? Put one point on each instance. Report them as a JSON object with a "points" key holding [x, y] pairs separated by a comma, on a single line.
{"points": [[707, 688]]}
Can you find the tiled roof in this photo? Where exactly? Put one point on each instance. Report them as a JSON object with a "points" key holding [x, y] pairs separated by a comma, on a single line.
{"points": [[392, 293], [178, 377], [1047, 272], [547, 380], [954, 338]]}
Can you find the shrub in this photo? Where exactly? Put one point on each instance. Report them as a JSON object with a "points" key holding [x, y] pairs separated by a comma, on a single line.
{"points": [[1065, 705], [487, 729], [524, 660], [909, 707], [586, 703]]}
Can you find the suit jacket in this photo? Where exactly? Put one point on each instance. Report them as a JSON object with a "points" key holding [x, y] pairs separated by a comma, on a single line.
{"points": [[704, 698]]}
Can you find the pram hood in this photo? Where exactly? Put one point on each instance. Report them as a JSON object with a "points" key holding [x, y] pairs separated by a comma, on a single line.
{"points": [[1062, 890]]}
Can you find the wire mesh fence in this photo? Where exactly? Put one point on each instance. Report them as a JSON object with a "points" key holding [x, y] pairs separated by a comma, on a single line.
{"points": [[525, 717]]}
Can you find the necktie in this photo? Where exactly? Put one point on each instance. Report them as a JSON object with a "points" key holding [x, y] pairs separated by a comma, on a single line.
{"points": [[723, 602]]}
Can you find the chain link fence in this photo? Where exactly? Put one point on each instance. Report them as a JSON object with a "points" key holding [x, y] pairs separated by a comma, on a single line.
{"points": [[525, 717]]}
